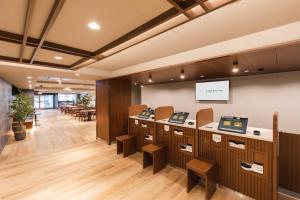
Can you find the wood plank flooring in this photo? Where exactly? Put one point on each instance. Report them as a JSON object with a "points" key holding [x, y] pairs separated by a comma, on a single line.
{"points": [[61, 160]]}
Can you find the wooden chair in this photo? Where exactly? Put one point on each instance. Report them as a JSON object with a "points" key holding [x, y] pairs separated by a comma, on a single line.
{"points": [[126, 144], [156, 155], [204, 169], [82, 116], [77, 115]]}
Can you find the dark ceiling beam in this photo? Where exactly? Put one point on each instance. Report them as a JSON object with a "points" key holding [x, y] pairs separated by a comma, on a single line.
{"points": [[28, 19], [57, 7], [202, 4], [33, 42], [181, 10], [139, 30], [45, 64]]}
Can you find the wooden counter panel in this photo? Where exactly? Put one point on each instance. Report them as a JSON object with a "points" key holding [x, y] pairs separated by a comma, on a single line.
{"points": [[163, 137], [228, 159], [181, 136], [141, 128]]}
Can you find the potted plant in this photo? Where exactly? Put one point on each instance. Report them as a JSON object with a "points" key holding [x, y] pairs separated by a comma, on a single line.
{"points": [[86, 100], [21, 108]]}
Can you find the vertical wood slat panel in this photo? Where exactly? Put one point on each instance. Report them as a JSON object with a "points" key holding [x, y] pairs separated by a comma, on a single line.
{"points": [[178, 157], [289, 161], [140, 132], [230, 173], [163, 137], [113, 97]]}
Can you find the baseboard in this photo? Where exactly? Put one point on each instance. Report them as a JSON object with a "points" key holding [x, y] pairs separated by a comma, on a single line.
{"points": [[3, 142], [289, 194]]}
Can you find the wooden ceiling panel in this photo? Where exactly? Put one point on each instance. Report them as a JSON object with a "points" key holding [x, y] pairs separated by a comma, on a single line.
{"points": [[211, 4], [9, 49], [41, 12], [254, 61], [12, 15], [116, 18], [288, 57], [28, 52], [48, 56]]}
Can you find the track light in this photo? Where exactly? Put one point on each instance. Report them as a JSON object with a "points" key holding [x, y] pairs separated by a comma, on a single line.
{"points": [[150, 79], [182, 75]]}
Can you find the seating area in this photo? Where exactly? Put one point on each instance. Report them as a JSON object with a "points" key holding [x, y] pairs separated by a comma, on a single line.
{"points": [[79, 112]]}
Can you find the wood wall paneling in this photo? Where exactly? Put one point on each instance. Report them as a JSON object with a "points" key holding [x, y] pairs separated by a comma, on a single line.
{"points": [[120, 100], [102, 109], [275, 156], [289, 161], [112, 103]]}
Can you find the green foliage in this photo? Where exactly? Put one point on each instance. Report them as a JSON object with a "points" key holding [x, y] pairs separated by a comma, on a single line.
{"points": [[86, 100], [21, 108]]}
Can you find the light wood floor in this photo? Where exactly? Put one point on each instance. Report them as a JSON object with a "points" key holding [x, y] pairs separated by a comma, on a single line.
{"points": [[61, 160]]}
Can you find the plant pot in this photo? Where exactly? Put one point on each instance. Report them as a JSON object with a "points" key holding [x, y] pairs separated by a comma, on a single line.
{"points": [[20, 132]]}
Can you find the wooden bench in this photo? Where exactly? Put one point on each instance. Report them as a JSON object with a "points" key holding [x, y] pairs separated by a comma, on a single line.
{"points": [[126, 144], [205, 170], [156, 155]]}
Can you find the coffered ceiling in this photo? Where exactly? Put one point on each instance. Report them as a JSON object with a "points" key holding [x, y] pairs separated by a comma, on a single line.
{"points": [[47, 29], [135, 36]]}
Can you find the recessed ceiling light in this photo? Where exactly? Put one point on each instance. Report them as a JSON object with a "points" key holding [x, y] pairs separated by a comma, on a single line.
{"points": [[202, 76], [77, 74], [58, 57], [246, 71], [67, 89], [29, 77], [94, 26], [29, 81], [172, 79]]}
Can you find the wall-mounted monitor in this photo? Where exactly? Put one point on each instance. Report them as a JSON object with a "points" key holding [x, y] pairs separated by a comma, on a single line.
{"points": [[213, 90]]}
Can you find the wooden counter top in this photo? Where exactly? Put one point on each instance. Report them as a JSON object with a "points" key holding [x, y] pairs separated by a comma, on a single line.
{"points": [[265, 134], [186, 125]]}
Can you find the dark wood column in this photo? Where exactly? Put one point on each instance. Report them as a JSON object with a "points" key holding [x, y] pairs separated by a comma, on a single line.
{"points": [[113, 98]]}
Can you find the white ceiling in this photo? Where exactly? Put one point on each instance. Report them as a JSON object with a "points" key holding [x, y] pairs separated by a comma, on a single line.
{"points": [[18, 73], [115, 18]]}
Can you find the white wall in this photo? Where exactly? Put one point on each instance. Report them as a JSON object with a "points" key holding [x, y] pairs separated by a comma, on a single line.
{"points": [[255, 97], [5, 100]]}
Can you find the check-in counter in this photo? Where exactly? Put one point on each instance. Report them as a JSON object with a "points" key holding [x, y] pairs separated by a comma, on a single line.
{"points": [[244, 161], [144, 130], [180, 139]]}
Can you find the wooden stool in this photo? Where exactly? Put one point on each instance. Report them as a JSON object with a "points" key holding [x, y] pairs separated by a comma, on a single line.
{"points": [[204, 169], [156, 155], [126, 144]]}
